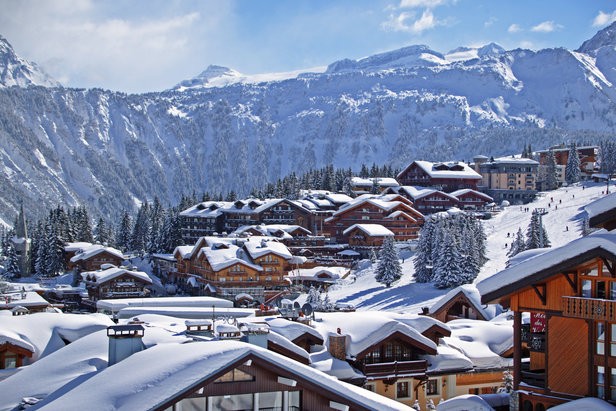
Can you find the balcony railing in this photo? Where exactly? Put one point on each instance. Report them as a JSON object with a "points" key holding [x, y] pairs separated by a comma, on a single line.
{"points": [[396, 368], [536, 378], [589, 308]]}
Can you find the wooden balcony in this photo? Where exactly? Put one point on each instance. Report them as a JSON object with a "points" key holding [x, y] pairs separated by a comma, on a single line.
{"points": [[396, 369], [589, 308]]}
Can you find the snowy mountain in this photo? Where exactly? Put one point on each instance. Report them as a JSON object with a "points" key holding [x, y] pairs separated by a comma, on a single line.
{"points": [[224, 130], [15, 71]]}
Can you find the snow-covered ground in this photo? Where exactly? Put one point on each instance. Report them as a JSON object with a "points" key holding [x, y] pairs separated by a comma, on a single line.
{"points": [[563, 223]]}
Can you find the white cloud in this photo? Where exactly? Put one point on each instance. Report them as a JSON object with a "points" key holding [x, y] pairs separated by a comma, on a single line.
{"points": [[514, 28], [546, 27], [404, 22], [490, 22], [411, 4], [603, 19]]}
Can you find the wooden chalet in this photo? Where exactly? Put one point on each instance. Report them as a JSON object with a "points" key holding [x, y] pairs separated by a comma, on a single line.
{"points": [[461, 302], [298, 333], [427, 200], [471, 200], [392, 211], [564, 304], [91, 257], [367, 235], [602, 212], [447, 177], [116, 282], [13, 354]]}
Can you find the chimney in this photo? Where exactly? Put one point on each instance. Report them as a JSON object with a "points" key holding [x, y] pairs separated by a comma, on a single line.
{"points": [[200, 328], [256, 334], [337, 345], [124, 341]]}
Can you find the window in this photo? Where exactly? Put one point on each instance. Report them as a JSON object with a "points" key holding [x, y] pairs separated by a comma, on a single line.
{"points": [[370, 387], [235, 375], [402, 389], [432, 387]]}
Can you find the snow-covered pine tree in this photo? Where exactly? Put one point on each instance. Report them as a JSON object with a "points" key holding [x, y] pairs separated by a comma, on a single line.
{"points": [[123, 232], [517, 246], [326, 304], [314, 297], [388, 269], [423, 253], [551, 172], [448, 266], [536, 234], [11, 262], [573, 172]]}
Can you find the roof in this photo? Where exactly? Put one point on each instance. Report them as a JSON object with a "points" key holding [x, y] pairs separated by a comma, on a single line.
{"points": [[464, 191], [470, 292], [95, 249], [602, 210], [115, 272], [454, 169], [261, 246], [373, 230], [547, 264], [175, 369], [513, 160], [292, 329], [417, 193], [223, 257], [369, 182]]}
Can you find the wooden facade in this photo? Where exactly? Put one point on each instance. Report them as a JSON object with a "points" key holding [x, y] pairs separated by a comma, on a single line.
{"points": [[260, 385], [95, 261], [13, 356], [572, 331], [458, 307], [396, 214], [442, 176], [126, 285]]}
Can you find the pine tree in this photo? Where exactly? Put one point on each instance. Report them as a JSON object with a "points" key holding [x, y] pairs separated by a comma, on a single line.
{"points": [[314, 297], [536, 235], [573, 172], [423, 253], [517, 246], [11, 264], [448, 266], [388, 269]]}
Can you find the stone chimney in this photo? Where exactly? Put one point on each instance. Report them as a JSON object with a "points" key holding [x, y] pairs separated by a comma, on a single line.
{"points": [[337, 345], [124, 341]]}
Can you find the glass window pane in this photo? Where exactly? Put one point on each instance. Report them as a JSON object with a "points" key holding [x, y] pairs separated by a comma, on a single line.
{"points": [[295, 400], [612, 290], [232, 402], [270, 399], [600, 289], [586, 288], [192, 404]]}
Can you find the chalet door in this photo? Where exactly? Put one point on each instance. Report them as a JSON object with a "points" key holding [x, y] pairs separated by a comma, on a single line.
{"points": [[568, 356]]}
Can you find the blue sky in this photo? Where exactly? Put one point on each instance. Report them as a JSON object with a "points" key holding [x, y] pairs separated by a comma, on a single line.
{"points": [[151, 45]]}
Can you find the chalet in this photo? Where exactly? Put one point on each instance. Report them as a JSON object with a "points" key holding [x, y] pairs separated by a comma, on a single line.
{"points": [[508, 178], [366, 235], [426, 200], [472, 200], [447, 177], [461, 302], [564, 311], [116, 282], [588, 160], [216, 375], [202, 219], [602, 212], [14, 350], [372, 185], [392, 211], [318, 276], [90, 257], [298, 333]]}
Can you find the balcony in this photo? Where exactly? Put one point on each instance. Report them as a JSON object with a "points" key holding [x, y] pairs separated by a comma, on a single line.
{"points": [[536, 378], [589, 308], [396, 368]]}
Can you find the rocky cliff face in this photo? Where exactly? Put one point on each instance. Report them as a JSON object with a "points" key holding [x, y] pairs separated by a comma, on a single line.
{"points": [[224, 131]]}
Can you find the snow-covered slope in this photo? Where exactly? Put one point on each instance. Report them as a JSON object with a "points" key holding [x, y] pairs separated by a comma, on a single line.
{"points": [[563, 223], [224, 131], [15, 71]]}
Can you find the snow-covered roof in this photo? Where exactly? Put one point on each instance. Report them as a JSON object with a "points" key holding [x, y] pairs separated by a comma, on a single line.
{"points": [[226, 256], [472, 295], [43, 333], [184, 312], [514, 160], [449, 170], [318, 273], [601, 206], [291, 329], [172, 368], [369, 182], [373, 230], [459, 193], [95, 249], [185, 251], [417, 193], [285, 343], [584, 404], [205, 302], [467, 402], [13, 299], [545, 264], [365, 329], [115, 272], [258, 247], [324, 362]]}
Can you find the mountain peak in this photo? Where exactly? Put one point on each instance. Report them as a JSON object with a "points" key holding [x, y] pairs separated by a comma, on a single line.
{"points": [[212, 74], [604, 37], [16, 71], [411, 56]]}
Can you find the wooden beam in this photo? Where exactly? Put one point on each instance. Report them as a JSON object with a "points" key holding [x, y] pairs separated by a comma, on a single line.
{"points": [[610, 266], [540, 289], [517, 349], [571, 278]]}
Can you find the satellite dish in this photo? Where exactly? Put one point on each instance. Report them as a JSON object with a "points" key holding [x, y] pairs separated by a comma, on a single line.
{"points": [[296, 305], [307, 309]]}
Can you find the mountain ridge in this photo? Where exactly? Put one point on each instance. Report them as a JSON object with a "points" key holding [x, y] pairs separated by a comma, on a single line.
{"points": [[111, 150]]}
